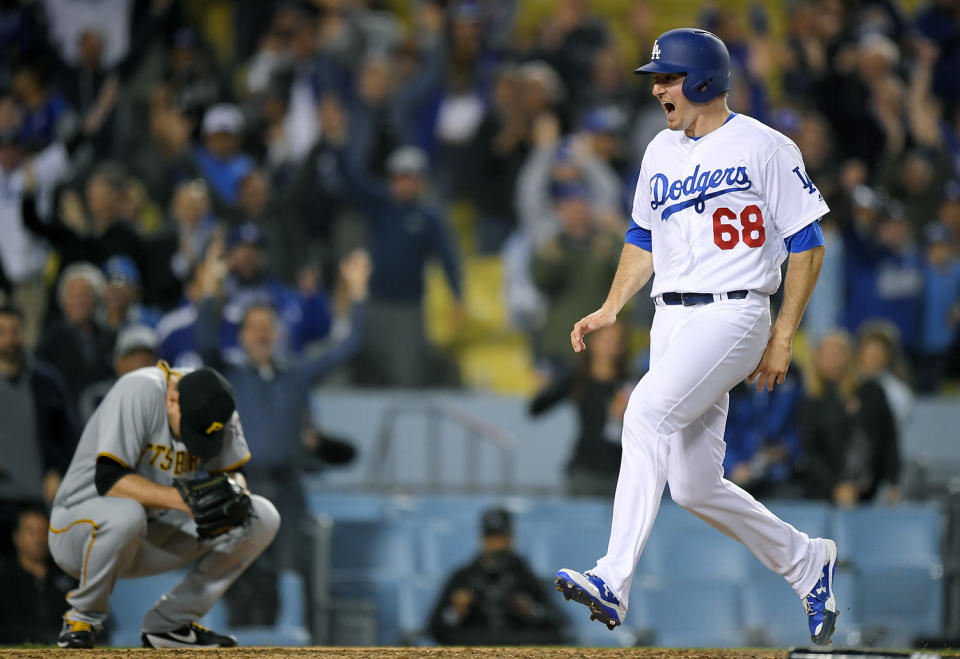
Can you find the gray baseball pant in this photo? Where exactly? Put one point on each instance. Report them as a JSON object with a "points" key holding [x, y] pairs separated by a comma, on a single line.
{"points": [[109, 538]]}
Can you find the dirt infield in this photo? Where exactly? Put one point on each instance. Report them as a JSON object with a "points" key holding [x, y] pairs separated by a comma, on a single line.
{"points": [[408, 653], [405, 653]]}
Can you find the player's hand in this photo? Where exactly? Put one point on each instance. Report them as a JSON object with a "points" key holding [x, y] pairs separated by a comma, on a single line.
{"points": [[602, 317], [50, 485], [774, 363], [355, 270], [461, 599]]}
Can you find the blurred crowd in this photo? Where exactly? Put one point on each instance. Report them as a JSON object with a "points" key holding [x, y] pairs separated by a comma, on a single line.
{"points": [[269, 201]]}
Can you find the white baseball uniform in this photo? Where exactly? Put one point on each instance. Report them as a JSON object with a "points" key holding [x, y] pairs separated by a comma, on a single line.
{"points": [[718, 209]]}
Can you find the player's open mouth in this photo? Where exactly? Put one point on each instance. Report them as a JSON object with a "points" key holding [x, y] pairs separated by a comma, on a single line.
{"points": [[669, 108]]}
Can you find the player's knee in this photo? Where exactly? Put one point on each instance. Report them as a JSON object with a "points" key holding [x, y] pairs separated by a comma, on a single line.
{"points": [[689, 493], [127, 519], [266, 519], [644, 412]]}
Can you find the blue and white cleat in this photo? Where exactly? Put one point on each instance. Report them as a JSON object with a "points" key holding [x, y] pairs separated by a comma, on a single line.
{"points": [[821, 604], [590, 590]]}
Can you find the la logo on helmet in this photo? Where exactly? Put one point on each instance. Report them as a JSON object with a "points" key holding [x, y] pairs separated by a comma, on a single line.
{"points": [[655, 54]]}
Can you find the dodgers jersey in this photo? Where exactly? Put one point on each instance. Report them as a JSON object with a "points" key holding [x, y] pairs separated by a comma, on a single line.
{"points": [[131, 427], [719, 207]]}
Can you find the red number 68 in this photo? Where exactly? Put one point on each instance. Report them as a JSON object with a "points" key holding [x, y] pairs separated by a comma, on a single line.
{"points": [[727, 236]]}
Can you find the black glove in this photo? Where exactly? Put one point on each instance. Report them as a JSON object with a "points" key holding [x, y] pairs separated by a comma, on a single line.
{"points": [[218, 504]]}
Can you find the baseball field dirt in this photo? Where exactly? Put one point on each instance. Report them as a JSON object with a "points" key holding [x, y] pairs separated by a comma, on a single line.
{"points": [[406, 653]]}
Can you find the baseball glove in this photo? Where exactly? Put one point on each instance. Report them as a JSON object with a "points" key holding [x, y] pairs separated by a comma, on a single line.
{"points": [[218, 504]]}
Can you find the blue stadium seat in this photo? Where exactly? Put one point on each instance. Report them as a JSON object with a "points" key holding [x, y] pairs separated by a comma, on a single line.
{"points": [[130, 601], [377, 594], [589, 510], [904, 536], [456, 507], [290, 629], [368, 548], [447, 544], [687, 614], [416, 601], [693, 551], [345, 507], [905, 599], [813, 518], [567, 543]]}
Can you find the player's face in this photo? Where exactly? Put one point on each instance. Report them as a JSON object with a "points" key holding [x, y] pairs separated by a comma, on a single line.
{"points": [[668, 88], [259, 334], [11, 337], [173, 406], [30, 537]]}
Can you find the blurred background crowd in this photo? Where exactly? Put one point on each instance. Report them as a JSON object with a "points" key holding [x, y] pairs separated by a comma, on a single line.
{"points": [[392, 194]]}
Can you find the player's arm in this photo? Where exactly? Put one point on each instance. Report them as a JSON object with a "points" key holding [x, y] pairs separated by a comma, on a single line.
{"points": [[802, 272], [147, 493], [633, 271]]}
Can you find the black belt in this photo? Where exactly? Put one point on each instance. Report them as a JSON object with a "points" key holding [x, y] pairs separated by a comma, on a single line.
{"points": [[691, 299]]}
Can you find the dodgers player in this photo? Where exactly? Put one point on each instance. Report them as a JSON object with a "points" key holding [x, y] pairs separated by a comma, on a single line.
{"points": [[720, 201], [116, 514]]}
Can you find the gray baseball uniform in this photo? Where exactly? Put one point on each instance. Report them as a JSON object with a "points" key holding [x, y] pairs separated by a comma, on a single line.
{"points": [[98, 539]]}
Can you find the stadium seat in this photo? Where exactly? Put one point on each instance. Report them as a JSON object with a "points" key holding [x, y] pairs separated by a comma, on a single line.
{"points": [[346, 507], [416, 601], [465, 509], [567, 543], [902, 599], [290, 629], [813, 518], [686, 614], [368, 603], [130, 601], [876, 537], [372, 548], [447, 545], [694, 550]]}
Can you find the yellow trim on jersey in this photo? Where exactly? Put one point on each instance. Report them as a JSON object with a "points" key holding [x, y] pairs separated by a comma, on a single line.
{"points": [[165, 367], [115, 459], [93, 538], [233, 467]]}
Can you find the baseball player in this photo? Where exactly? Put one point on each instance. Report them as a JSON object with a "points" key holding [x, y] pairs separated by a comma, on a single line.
{"points": [[720, 201], [118, 515]]}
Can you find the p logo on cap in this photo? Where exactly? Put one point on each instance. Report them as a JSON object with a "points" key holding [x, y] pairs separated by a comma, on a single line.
{"points": [[214, 427]]}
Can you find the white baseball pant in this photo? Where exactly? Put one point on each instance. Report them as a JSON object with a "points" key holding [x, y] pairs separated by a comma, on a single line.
{"points": [[673, 433]]}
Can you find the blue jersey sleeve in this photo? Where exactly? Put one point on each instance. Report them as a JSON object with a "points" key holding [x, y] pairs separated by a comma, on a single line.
{"points": [[640, 237], [806, 238]]}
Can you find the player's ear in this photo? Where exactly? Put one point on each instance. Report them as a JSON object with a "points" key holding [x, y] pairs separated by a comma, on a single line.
{"points": [[173, 395]]}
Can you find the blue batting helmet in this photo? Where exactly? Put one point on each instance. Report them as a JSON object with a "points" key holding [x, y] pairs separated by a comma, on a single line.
{"points": [[697, 53]]}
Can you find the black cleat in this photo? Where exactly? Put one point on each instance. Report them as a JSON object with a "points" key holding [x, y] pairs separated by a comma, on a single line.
{"points": [[188, 636], [76, 634]]}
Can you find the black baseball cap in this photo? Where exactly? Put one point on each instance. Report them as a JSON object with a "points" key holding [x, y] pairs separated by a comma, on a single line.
{"points": [[206, 405], [497, 521]]}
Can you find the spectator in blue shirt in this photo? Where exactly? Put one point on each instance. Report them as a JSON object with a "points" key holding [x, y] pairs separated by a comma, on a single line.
{"points": [[884, 271], [405, 233], [219, 160], [303, 316], [274, 392], [763, 446], [941, 308]]}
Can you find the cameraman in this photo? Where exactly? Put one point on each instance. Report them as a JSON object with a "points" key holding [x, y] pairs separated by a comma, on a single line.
{"points": [[495, 599]]}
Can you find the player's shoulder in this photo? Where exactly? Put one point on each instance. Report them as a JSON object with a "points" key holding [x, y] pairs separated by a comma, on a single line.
{"points": [[764, 139], [148, 382]]}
